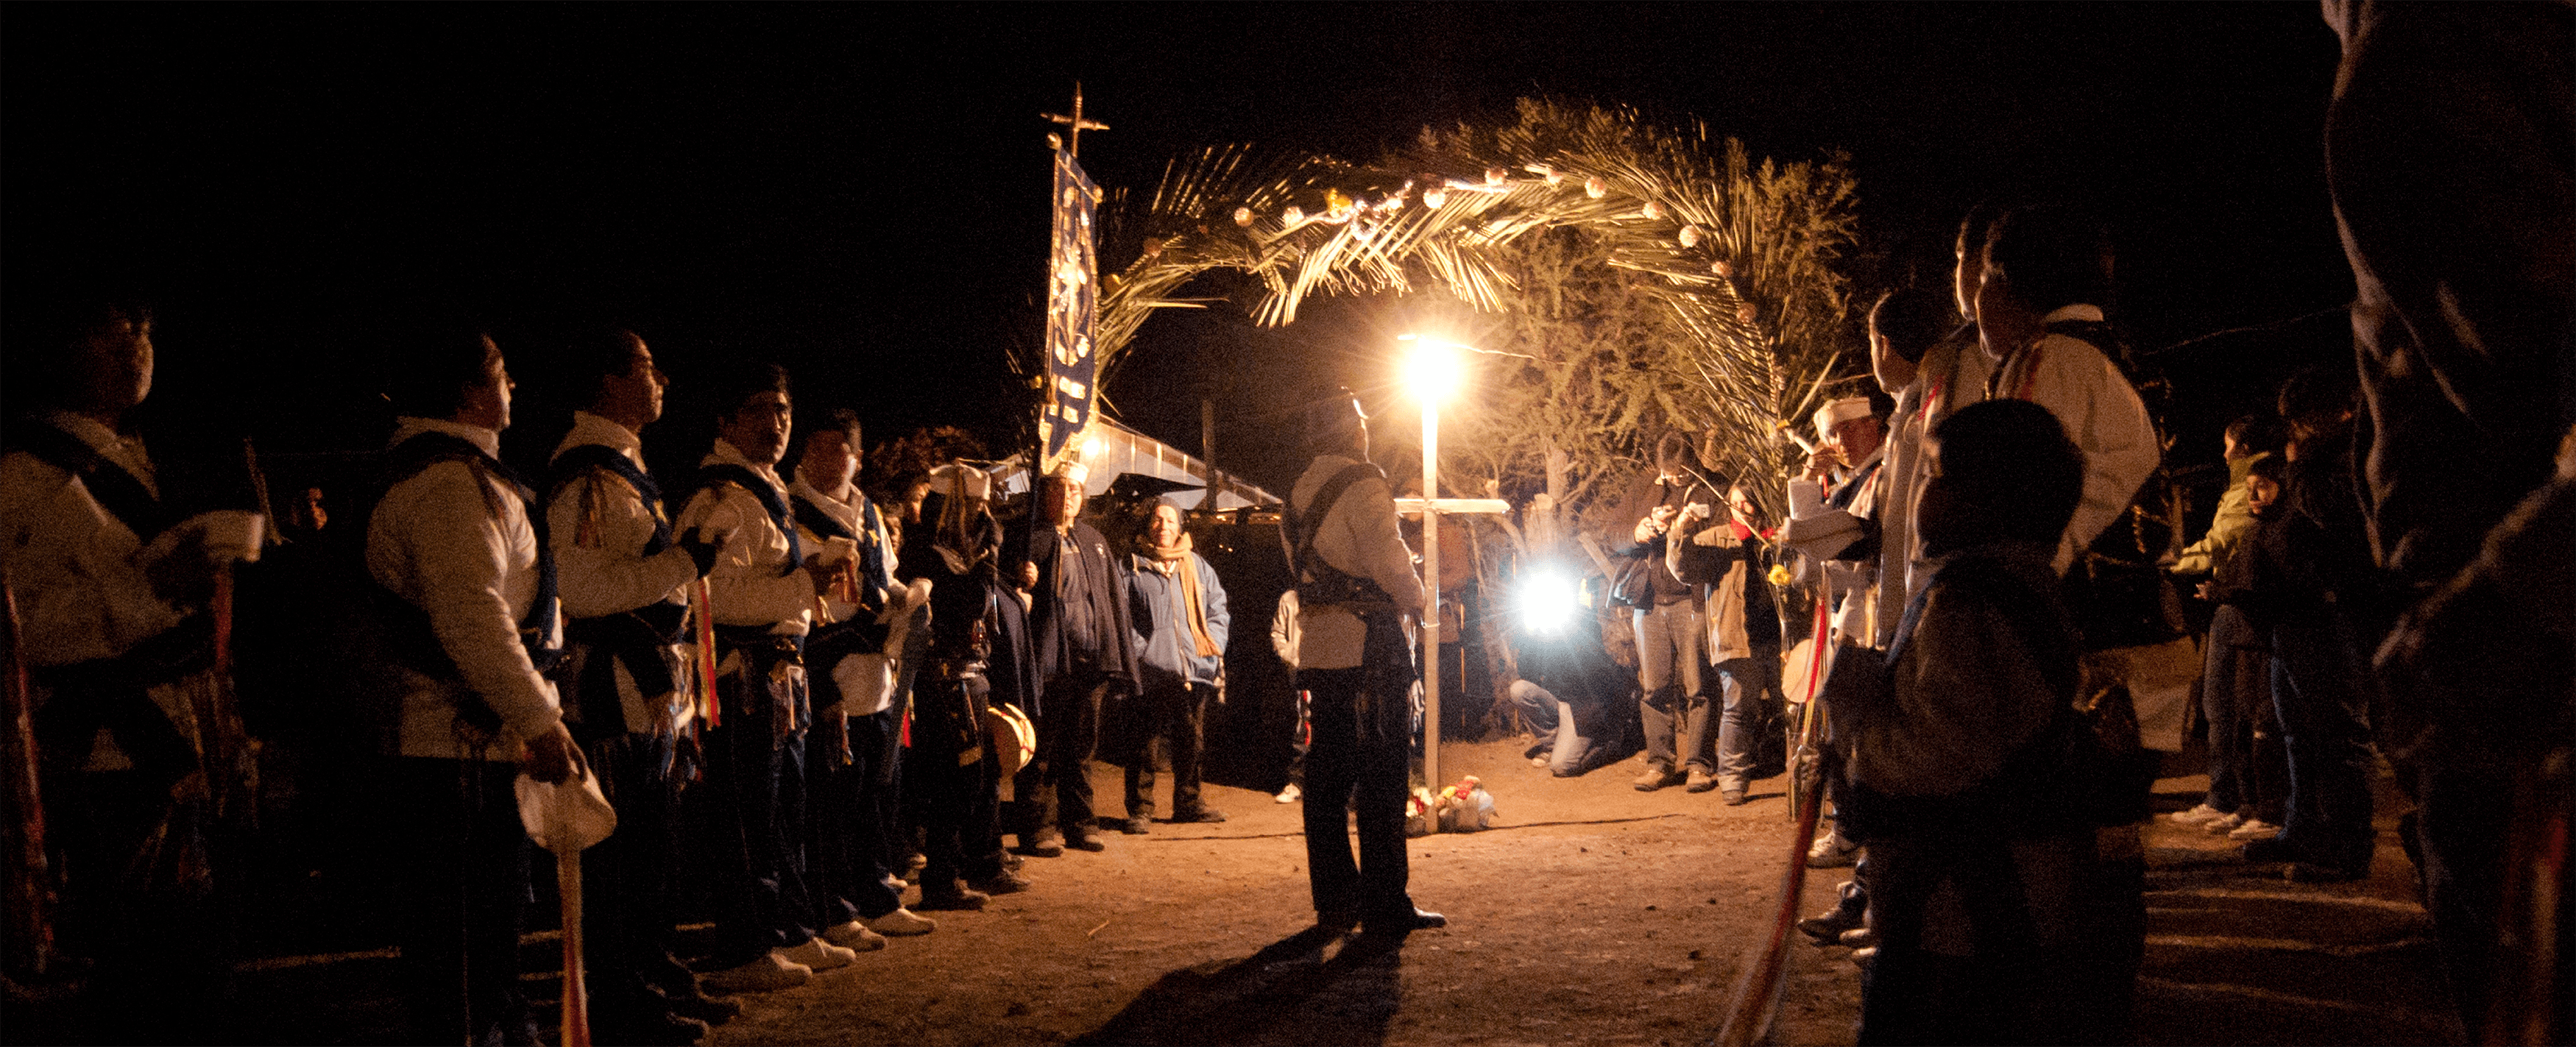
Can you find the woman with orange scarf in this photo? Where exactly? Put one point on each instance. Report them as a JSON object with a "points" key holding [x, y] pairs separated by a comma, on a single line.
{"points": [[1179, 633]]}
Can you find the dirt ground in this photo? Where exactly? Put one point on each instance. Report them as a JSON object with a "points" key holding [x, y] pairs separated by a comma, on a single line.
{"points": [[1591, 913]]}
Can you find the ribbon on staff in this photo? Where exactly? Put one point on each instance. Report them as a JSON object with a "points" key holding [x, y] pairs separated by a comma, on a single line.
{"points": [[1065, 406]]}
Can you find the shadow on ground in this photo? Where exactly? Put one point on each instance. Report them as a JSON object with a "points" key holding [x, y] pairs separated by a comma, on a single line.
{"points": [[1287, 993]]}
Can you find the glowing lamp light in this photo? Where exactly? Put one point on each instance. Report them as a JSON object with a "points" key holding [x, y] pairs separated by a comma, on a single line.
{"points": [[1432, 370], [1548, 599], [1090, 448]]}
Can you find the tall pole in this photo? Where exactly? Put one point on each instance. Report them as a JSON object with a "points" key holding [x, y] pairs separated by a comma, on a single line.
{"points": [[1431, 595]]}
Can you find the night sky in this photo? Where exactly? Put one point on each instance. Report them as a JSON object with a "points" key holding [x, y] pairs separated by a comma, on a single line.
{"points": [[858, 192]]}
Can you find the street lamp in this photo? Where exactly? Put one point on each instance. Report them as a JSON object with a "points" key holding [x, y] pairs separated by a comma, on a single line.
{"points": [[1433, 371]]}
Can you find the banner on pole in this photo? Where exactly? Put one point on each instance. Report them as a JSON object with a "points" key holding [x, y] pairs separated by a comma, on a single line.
{"points": [[1064, 409]]}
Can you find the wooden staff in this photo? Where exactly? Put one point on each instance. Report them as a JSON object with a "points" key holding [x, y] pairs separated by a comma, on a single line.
{"points": [[1766, 971], [576, 995], [30, 900]]}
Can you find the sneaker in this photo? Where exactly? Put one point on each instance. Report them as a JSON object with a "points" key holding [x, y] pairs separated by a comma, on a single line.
{"points": [[1136, 826], [954, 899], [1538, 761], [1863, 955], [902, 923], [1656, 778], [2197, 815], [913, 863], [1858, 938], [1046, 845], [1084, 842], [1828, 926], [770, 973], [1003, 882], [2223, 824], [1202, 816], [818, 954], [1291, 794], [854, 936], [1733, 797], [2254, 829], [1832, 851], [1701, 781]]}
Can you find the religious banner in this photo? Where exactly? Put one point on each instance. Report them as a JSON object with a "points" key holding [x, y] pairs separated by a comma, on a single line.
{"points": [[1064, 409]]}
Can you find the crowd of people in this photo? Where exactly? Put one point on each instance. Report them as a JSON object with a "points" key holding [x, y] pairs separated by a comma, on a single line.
{"points": [[1997, 574], [794, 696], [807, 701]]}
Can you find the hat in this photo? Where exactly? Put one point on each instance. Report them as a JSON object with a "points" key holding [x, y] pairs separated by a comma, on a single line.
{"points": [[568, 817], [978, 484], [1015, 739], [1839, 411], [1074, 473]]}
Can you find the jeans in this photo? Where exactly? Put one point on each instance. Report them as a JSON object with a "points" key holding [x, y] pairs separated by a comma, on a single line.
{"points": [[2322, 696], [1348, 764], [2235, 692], [1752, 691], [627, 907], [1177, 714], [845, 838], [750, 827], [1569, 752], [1672, 672]]}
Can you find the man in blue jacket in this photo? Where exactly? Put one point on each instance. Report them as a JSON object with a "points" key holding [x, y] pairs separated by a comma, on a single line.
{"points": [[1179, 621]]}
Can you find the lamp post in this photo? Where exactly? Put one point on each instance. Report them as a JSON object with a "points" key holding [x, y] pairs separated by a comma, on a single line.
{"points": [[1432, 371]]}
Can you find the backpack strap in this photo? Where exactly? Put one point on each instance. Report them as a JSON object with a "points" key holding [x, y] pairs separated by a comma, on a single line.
{"points": [[812, 518], [415, 456], [722, 474], [109, 484], [1307, 525], [580, 461]]}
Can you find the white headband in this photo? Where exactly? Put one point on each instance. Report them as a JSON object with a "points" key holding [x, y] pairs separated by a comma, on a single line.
{"points": [[1838, 412]]}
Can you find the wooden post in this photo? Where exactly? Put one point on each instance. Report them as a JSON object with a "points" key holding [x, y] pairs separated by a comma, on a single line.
{"points": [[1207, 452]]}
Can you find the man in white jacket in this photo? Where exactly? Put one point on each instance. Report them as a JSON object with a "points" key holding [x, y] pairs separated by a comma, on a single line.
{"points": [[763, 591], [2039, 315], [624, 575], [473, 617], [112, 589], [852, 752]]}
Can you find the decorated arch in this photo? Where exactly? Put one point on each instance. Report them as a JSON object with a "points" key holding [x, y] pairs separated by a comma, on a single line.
{"points": [[1742, 259]]}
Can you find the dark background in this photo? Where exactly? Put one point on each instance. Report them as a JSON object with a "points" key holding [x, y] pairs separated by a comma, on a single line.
{"points": [[858, 192]]}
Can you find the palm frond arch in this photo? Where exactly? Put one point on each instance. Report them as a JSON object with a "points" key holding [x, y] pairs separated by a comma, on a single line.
{"points": [[1746, 255]]}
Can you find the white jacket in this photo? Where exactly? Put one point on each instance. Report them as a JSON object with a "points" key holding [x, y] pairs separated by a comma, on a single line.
{"points": [[2101, 413], [599, 526], [434, 542], [748, 585]]}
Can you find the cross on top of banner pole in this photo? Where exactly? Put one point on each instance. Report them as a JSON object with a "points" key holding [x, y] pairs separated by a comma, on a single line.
{"points": [[1075, 123]]}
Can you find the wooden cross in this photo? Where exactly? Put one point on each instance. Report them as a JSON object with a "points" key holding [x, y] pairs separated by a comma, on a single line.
{"points": [[1075, 122]]}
